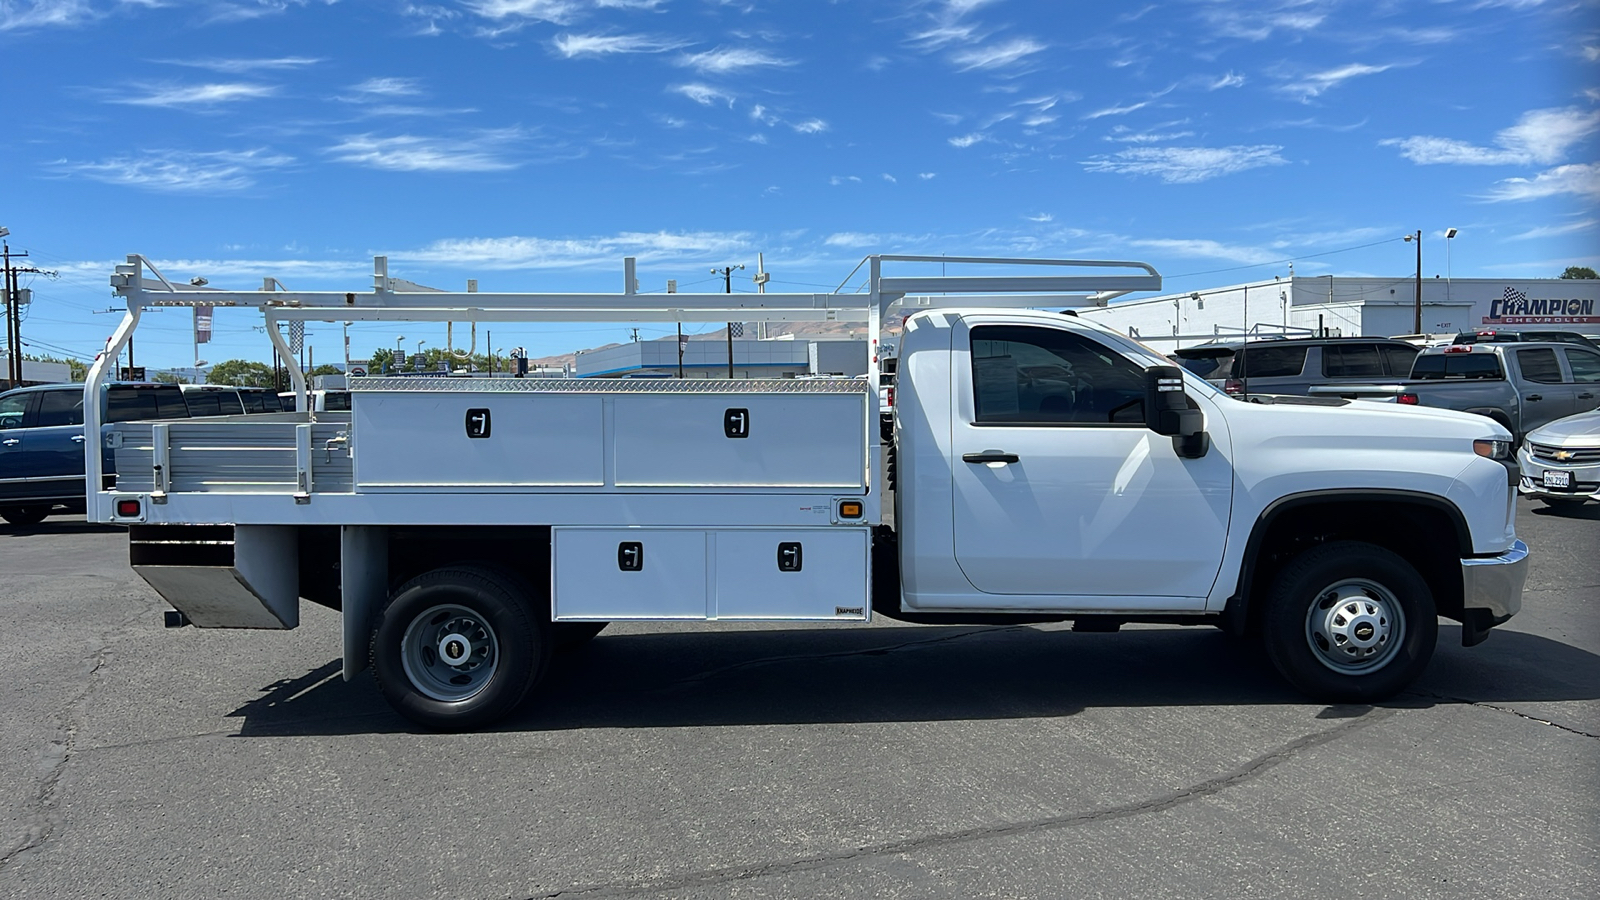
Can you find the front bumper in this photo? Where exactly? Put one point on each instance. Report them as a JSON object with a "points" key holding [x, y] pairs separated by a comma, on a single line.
{"points": [[1583, 480], [1491, 591]]}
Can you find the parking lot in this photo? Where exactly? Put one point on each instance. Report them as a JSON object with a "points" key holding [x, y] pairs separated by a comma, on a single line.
{"points": [[746, 761]]}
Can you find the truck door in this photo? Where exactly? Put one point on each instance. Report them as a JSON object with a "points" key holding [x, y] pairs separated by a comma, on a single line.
{"points": [[1546, 395], [1060, 491], [1585, 368], [56, 442], [15, 465]]}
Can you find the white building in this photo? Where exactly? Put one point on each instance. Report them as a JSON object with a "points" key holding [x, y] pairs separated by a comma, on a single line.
{"points": [[35, 372], [1338, 306]]}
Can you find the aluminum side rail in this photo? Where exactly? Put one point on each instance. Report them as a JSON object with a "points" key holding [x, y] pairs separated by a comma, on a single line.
{"points": [[395, 299]]}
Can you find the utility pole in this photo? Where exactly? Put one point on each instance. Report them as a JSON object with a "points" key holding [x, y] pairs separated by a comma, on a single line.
{"points": [[13, 320], [727, 287], [1416, 322]]}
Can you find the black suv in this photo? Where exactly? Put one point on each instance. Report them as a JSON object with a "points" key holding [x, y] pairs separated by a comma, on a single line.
{"points": [[41, 442], [1293, 365]]}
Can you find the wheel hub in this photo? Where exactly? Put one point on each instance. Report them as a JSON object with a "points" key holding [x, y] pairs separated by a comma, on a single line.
{"points": [[1355, 626], [449, 653]]}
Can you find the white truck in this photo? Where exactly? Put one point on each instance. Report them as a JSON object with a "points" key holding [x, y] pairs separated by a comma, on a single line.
{"points": [[1039, 468]]}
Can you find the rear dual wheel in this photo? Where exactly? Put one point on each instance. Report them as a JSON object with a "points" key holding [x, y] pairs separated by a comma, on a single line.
{"points": [[24, 515], [460, 647]]}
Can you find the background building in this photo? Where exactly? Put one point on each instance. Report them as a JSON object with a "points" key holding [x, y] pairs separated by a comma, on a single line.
{"points": [[1341, 306]]}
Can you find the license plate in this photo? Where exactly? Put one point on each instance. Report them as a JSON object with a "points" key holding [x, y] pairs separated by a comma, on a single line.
{"points": [[1557, 479]]}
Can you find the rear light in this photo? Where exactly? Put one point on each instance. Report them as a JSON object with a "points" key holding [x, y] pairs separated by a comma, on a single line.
{"points": [[1458, 348], [1233, 386], [1408, 399], [128, 509], [890, 395]]}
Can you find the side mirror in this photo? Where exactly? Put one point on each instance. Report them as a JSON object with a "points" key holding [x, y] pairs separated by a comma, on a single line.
{"points": [[1169, 411]]}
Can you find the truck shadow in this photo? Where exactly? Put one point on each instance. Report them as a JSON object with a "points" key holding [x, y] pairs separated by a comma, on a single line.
{"points": [[58, 526], [1590, 511], [913, 674]]}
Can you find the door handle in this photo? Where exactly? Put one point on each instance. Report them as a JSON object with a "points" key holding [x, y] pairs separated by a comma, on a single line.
{"points": [[11, 442], [77, 439], [989, 456], [1585, 396], [1533, 397]]}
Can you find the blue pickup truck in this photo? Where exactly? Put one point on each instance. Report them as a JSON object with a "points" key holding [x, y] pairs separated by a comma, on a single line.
{"points": [[41, 442]]}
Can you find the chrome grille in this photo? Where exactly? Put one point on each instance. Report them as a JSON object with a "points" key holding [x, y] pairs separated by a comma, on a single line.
{"points": [[1575, 456]]}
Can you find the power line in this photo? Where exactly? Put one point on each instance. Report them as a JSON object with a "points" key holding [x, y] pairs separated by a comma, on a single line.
{"points": [[1279, 262]]}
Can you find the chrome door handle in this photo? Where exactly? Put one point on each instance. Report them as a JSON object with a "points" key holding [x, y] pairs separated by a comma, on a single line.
{"points": [[989, 456], [77, 439], [11, 442], [1533, 397]]}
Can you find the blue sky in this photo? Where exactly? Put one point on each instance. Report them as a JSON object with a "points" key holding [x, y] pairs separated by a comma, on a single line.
{"points": [[531, 144]]}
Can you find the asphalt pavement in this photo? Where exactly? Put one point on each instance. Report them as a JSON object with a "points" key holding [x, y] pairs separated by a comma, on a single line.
{"points": [[755, 761]]}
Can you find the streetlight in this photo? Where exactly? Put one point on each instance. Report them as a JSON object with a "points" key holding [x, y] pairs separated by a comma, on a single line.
{"points": [[399, 352], [197, 365], [420, 342], [1449, 233], [1416, 325]]}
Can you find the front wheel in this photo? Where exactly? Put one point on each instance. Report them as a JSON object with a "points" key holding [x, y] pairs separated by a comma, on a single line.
{"points": [[1350, 622], [458, 648], [24, 515]]}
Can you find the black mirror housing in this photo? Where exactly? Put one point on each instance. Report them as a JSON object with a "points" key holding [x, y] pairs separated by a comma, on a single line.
{"points": [[1169, 411]]}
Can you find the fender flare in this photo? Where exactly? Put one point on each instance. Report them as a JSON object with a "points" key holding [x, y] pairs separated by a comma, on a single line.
{"points": [[1236, 613]]}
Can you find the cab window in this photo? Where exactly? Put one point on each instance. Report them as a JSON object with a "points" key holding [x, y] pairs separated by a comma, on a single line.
{"points": [[14, 409], [1024, 375], [1539, 366], [1351, 361], [1585, 366], [60, 408]]}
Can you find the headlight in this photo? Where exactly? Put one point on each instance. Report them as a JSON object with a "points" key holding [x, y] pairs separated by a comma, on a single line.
{"points": [[1492, 449]]}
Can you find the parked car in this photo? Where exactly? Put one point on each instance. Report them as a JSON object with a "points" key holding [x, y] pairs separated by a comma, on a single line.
{"points": [[320, 401], [41, 442], [212, 400], [261, 400], [1520, 385], [1561, 460], [1489, 336], [1294, 365]]}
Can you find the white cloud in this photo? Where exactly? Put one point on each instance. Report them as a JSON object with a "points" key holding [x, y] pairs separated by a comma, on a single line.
{"points": [[852, 239], [574, 45], [1237, 20], [199, 95], [1041, 217], [388, 87], [997, 55], [1317, 83], [1187, 165], [1541, 136], [810, 126], [590, 252], [1581, 179], [556, 11], [724, 60], [1117, 110], [890, 178], [178, 171], [1125, 135], [1208, 249], [1555, 230], [22, 15], [703, 94], [927, 176], [483, 152], [967, 140], [242, 66], [842, 179], [1232, 79]]}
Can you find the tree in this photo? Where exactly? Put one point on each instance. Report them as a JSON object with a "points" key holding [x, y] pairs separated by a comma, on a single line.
{"points": [[323, 370], [241, 373], [79, 370], [170, 378], [1579, 272]]}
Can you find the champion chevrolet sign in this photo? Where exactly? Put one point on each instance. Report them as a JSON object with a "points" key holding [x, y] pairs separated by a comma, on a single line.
{"points": [[1517, 308]]}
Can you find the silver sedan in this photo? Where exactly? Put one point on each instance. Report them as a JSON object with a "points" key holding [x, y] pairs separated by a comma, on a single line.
{"points": [[1561, 460]]}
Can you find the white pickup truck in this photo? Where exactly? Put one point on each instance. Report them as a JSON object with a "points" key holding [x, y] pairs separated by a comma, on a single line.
{"points": [[1039, 468]]}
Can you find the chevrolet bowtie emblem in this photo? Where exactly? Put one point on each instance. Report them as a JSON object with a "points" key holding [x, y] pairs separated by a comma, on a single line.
{"points": [[1562, 455]]}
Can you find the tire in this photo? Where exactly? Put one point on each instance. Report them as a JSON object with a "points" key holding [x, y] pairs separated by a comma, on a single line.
{"points": [[1350, 622], [572, 635], [482, 619], [24, 515]]}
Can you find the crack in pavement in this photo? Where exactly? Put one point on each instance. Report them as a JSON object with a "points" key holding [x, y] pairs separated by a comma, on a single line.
{"points": [[1504, 709], [1233, 778], [60, 751]]}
